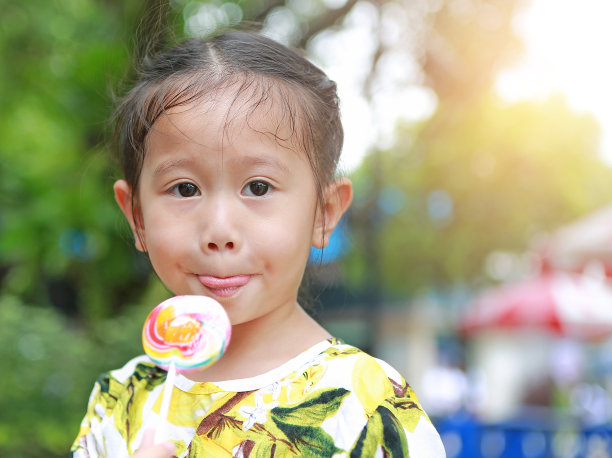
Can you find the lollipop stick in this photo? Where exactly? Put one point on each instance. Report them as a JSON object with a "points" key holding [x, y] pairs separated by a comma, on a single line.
{"points": [[165, 404]]}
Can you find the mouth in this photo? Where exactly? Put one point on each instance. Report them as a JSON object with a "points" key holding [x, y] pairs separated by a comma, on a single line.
{"points": [[224, 286]]}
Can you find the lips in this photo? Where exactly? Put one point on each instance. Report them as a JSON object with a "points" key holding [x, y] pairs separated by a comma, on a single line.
{"points": [[224, 286]]}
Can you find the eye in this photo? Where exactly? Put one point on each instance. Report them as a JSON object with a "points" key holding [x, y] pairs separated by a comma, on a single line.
{"points": [[257, 188], [185, 190]]}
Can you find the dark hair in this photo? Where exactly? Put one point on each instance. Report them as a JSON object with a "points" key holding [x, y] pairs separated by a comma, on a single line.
{"points": [[258, 67]]}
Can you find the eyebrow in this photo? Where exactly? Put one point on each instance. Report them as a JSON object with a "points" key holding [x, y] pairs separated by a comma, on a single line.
{"points": [[170, 164], [244, 161], [255, 161]]}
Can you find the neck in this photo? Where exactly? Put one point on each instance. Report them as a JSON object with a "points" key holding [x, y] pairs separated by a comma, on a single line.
{"points": [[261, 345]]}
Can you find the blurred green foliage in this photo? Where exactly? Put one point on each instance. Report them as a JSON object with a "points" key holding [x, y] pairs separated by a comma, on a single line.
{"points": [[44, 359], [467, 183], [66, 263], [58, 223]]}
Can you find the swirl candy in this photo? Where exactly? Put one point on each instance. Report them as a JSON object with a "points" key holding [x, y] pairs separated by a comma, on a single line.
{"points": [[190, 331]]}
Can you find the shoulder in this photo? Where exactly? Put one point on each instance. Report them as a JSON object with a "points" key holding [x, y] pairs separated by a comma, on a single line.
{"points": [[393, 417], [138, 366], [116, 402], [371, 380], [364, 382], [364, 371], [139, 374]]}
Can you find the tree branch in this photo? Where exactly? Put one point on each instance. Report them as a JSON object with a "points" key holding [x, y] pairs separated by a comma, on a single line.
{"points": [[259, 14], [326, 21]]}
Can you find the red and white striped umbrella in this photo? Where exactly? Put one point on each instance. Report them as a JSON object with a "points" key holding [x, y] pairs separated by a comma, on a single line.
{"points": [[570, 305]]}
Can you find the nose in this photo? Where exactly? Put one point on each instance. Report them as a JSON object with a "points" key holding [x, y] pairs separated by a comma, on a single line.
{"points": [[214, 246], [220, 228]]}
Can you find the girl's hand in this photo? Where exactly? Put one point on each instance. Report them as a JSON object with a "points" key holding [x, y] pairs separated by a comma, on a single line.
{"points": [[149, 450]]}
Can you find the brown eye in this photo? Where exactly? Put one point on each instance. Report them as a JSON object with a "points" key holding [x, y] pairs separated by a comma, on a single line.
{"points": [[187, 189], [258, 188]]}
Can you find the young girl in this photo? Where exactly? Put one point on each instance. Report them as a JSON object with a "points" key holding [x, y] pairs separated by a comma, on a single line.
{"points": [[229, 148]]}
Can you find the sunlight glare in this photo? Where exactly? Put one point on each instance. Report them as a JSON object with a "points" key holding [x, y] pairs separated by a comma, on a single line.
{"points": [[567, 51]]}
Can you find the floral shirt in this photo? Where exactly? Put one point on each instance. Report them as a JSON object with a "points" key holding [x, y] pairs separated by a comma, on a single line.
{"points": [[331, 400]]}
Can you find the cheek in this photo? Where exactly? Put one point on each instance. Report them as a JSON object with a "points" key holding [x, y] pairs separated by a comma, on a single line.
{"points": [[165, 235], [286, 243]]}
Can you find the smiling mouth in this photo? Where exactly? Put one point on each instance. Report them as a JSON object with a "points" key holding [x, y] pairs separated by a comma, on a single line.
{"points": [[224, 286]]}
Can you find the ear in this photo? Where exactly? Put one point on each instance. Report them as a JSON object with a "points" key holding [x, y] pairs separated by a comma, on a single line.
{"points": [[337, 197], [123, 196]]}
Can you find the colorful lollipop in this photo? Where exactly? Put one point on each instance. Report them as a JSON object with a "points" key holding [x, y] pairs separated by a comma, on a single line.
{"points": [[184, 334], [190, 331]]}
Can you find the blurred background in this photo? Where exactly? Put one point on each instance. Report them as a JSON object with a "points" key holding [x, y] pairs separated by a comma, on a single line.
{"points": [[476, 258]]}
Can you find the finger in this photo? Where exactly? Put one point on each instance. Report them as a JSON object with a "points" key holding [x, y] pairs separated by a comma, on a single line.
{"points": [[164, 450], [149, 450], [156, 451], [148, 438]]}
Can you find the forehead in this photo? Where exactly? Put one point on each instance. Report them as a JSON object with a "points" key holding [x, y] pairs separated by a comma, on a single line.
{"points": [[261, 106]]}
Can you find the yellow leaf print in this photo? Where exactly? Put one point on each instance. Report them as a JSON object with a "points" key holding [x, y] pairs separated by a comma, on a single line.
{"points": [[302, 385], [185, 408], [205, 446], [408, 409], [370, 383]]}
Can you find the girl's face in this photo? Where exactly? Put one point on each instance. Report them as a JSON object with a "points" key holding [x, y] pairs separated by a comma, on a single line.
{"points": [[229, 210]]}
